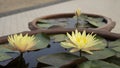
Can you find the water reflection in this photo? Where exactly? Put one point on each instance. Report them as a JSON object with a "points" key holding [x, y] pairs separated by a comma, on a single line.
{"points": [[18, 62]]}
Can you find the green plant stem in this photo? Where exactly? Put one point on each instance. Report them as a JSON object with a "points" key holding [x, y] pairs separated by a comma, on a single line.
{"points": [[107, 44], [80, 53], [77, 24], [21, 54]]}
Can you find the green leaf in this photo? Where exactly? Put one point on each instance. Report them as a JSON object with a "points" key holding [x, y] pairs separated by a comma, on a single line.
{"points": [[115, 43], [45, 25], [95, 22], [51, 23], [58, 37], [101, 45], [42, 21], [4, 57], [3, 49], [97, 64], [114, 60], [42, 41], [6, 48], [116, 49], [57, 59], [101, 54]]}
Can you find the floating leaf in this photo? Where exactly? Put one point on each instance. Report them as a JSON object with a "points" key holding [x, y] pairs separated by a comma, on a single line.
{"points": [[101, 54], [45, 25], [118, 55], [57, 59], [6, 48], [115, 43], [95, 22], [58, 37], [42, 21], [4, 57], [42, 41], [101, 45], [51, 23], [116, 49], [114, 60], [97, 64]]}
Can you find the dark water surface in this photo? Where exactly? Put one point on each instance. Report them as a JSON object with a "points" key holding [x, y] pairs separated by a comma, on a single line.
{"points": [[29, 59]]}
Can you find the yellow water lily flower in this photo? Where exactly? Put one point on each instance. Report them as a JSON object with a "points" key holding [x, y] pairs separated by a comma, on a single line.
{"points": [[80, 41], [78, 12], [21, 43]]}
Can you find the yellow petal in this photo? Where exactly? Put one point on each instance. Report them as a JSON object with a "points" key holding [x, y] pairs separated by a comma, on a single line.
{"points": [[74, 50], [67, 45], [81, 41], [22, 43], [89, 52]]}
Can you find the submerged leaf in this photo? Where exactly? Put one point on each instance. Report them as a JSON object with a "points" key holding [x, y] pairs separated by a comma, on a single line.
{"points": [[57, 59]]}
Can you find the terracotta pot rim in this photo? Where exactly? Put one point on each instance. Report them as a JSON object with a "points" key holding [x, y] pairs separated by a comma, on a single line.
{"points": [[108, 27]]}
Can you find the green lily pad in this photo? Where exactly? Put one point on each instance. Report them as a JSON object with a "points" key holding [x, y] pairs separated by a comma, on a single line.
{"points": [[50, 23], [95, 22], [57, 59], [101, 54], [116, 49], [58, 37], [114, 60], [97, 64], [45, 25], [6, 48], [115, 43], [101, 45], [4, 57], [42, 41], [118, 55], [42, 21]]}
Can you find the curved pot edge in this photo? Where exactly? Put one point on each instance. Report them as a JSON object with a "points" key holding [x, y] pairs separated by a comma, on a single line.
{"points": [[103, 33], [108, 27]]}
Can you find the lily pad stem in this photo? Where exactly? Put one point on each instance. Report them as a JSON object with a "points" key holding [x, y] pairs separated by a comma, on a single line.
{"points": [[80, 52], [77, 24], [21, 54]]}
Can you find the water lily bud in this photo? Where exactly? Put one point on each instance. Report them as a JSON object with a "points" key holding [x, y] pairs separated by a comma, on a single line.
{"points": [[77, 12]]}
